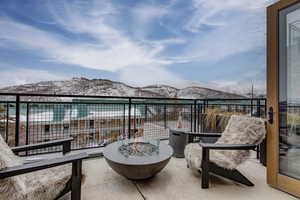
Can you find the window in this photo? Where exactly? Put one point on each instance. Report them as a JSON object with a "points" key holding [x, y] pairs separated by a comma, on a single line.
{"points": [[66, 128], [74, 124], [92, 124], [82, 124], [47, 129], [56, 128], [106, 133]]}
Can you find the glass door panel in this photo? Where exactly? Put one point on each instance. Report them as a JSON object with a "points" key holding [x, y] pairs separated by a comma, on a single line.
{"points": [[289, 92]]}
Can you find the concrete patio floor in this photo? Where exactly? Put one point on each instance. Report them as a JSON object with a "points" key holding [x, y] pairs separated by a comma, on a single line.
{"points": [[175, 182]]}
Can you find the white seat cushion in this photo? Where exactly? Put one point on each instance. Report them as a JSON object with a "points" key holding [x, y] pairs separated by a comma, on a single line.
{"points": [[193, 156], [10, 186], [48, 183], [40, 185], [239, 130]]}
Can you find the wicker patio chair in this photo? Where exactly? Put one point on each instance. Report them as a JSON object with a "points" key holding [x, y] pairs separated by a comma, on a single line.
{"points": [[41, 180], [221, 154]]}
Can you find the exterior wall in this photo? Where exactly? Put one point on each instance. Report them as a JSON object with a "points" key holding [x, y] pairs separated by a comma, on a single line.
{"points": [[104, 129], [82, 132]]}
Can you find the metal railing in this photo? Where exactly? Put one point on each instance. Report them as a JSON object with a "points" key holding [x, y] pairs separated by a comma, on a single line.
{"points": [[94, 121]]}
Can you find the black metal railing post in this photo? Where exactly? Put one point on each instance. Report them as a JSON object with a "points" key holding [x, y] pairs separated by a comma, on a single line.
{"points": [[195, 115], [134, 117], [27, 125], [258, 108], [203, 109], [124, 121], [146, 112], [129, 118], [7, 123], [191, 116], [251, 108], [17, 124], [199, 110], [165, 115]]}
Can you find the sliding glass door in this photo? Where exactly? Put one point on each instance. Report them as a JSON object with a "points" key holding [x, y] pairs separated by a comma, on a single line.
{"points": [[284, 96], [289, 91]]}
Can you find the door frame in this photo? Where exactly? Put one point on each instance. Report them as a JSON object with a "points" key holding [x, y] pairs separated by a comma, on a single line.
{"points": [[273, 177]]}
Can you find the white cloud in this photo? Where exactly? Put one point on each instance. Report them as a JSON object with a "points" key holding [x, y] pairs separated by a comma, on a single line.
{"points": [[108, 56], [10, 77], [241, 35], [110, 50], [144, 17], [236, 26], [217, 13], [146, 13], [217, 30]]}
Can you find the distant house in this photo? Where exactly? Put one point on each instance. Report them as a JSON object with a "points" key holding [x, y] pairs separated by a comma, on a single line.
{"points": [[89, 122]]}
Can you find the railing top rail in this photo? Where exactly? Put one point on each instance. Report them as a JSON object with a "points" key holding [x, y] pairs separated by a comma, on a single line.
{"points": [[93, 103], [233, 99], [238, 104], [124, 97], [87, 96], [7, 102]]}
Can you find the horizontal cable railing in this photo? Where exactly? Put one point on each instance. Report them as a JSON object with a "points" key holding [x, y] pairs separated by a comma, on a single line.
{"points": [[94, 121]]}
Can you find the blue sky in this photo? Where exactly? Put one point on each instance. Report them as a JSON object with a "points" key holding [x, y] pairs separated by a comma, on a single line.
{"points": [[176, 42]]}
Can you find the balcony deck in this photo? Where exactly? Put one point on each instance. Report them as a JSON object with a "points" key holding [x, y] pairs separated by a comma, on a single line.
{"points": [[175, 182]]}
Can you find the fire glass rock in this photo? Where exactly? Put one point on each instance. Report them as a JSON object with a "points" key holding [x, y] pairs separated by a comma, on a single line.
{"points": [[138, 149]]}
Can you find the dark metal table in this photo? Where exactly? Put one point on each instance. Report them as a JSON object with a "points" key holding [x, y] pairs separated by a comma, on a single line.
{"points": [[137, 167]]}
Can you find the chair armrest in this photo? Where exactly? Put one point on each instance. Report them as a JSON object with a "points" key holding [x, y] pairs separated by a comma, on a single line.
{"points": [[228, 146], [196, 137], [204, 134], [45, 164], [66, 143]]}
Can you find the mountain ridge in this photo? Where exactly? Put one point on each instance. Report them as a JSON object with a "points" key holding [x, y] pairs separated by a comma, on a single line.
{"points": [[106, 87]]}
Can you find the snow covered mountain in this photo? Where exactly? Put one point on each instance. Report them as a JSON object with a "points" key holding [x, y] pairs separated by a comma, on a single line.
{"points": [[103, 87]]}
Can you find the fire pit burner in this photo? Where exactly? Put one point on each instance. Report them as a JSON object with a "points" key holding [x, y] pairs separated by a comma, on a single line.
{"points": [[137, 160], [138, 149]]}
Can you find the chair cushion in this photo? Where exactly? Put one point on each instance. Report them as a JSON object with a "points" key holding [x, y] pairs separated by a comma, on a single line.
{"points": [[48, 183], [39, 185], [193, 156], [242, 129], [7, 157], [239, 130], [13, 185]]}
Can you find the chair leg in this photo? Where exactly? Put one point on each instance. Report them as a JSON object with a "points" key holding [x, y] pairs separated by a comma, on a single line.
{"points": [[76, 180], [65, 190], [205, 169], [234, 175]]}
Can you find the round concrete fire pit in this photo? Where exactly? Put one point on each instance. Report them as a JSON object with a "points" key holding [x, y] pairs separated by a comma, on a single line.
{"points": [[138, 160]]}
